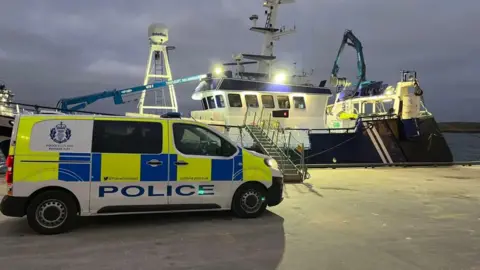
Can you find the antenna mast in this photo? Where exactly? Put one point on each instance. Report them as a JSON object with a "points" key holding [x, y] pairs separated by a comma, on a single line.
{"points": [[158, 69], [271, 33]]}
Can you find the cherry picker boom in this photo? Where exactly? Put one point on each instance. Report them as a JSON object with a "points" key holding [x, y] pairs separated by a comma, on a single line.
{"points": [[78, 103]]}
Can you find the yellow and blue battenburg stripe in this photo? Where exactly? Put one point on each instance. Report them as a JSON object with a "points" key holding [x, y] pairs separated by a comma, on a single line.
{"points": [[75, 167], [228, 169]]}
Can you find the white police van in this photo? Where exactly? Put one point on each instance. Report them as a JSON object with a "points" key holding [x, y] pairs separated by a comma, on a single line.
{"points": [[62, 166]]}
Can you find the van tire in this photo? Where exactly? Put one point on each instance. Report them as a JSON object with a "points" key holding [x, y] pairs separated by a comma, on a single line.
{"points": [[247, 195], [55, 204]]}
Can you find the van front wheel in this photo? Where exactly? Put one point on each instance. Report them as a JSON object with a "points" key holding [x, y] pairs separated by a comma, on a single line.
{"points": [[52, 212], [250, 201]]}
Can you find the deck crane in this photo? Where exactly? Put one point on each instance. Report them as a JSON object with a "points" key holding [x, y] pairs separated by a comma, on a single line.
{"points": [[78, 103], [351, 40]]}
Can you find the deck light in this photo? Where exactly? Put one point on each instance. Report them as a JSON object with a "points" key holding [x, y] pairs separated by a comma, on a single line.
{"points": [[280, 77], [218, 71]]}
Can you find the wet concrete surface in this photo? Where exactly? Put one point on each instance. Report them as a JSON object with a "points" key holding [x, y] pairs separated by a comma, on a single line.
{"points": [[340, 219]]}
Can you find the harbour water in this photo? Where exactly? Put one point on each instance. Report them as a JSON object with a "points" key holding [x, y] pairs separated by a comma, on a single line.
{"points": [[464, 146]]}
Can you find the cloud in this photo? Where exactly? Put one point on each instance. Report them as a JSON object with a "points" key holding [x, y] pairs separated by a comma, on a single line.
{"points": [[115, 68], [3, 54]]}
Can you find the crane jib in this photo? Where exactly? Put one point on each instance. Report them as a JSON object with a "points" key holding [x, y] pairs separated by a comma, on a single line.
{"points": [[351, 40]]}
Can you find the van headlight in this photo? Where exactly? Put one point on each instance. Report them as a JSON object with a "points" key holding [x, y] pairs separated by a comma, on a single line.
{"points": [[272, 163]]}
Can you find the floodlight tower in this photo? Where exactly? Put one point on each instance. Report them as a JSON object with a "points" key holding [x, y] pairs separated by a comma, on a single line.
{"points": [[158, 69]]}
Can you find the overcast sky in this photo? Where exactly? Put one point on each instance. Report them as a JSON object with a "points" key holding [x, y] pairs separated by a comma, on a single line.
{"points": [[65, 48]]}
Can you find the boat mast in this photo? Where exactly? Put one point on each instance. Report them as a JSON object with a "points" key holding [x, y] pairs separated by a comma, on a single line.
{"points": [[271, 33]]}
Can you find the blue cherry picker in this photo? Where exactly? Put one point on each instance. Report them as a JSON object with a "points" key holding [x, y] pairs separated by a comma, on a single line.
{"points": [[74, 104]]}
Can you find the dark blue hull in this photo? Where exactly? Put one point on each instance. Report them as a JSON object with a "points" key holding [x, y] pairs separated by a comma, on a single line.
{"points": [[381, 141]]}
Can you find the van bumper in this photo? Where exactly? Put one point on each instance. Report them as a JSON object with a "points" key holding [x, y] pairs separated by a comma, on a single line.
{"points": [[13, 206], [275, 192]]}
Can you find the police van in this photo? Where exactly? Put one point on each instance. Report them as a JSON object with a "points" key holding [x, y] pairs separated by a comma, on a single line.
{"points": [[64, 166]]}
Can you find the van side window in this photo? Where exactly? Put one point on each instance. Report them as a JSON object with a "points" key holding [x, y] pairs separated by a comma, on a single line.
{"points": [[127, 137], [220, 101], [234, 100], [283, 102], [299, 102], [252, 101], [199, 141], [267, 101]]}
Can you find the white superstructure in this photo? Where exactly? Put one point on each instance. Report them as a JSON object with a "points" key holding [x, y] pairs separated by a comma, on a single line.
{"points": [[237, 97]]}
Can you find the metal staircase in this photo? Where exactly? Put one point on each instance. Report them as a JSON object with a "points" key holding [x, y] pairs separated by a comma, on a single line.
{"points": [[269, 145]]}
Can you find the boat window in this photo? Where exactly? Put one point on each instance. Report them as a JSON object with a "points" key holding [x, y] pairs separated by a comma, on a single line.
{"points": [[356, 108], [368, 108], [329, 109], [267, 101], [388, 106], [127, 137], [195, 140], [252, 101], [299, 102], [220, 101], [283, 102], [379, 107], [234, 100], [211, 102], [331, 99], [204, 104]]}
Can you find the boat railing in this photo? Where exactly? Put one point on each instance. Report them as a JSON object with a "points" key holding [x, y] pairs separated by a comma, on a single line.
{"points": [[379, 104], [295, 154], [273, 131], [423, 109], [245, 117], [25, 108]]}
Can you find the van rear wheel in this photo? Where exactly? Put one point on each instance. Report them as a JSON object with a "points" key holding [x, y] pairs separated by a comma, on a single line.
{"points": [[249, 200], [52, 212]]}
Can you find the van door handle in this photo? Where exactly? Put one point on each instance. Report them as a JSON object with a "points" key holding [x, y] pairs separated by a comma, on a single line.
{"points": [[181, 162], [154, 163]]}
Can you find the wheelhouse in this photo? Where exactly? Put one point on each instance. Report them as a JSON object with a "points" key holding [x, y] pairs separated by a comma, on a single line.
{"points": [[232, 100]]}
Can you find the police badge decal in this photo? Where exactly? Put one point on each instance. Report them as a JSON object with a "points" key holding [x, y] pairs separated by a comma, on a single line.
{"points": [[60, 133]]}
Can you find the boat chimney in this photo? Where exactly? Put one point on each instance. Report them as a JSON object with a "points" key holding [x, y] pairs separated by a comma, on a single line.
{"points": [[254, 19]]}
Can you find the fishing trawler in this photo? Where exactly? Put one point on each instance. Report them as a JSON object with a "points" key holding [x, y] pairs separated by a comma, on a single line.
{"points": [[6, 112], [289, 118], [6, 117]]}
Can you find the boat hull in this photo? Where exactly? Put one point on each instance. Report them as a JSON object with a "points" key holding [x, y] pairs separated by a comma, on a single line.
{"points": [[381, 141]]}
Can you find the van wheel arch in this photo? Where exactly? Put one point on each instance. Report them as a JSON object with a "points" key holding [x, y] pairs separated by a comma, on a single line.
{"points": [[256, 183], [54, 188]]}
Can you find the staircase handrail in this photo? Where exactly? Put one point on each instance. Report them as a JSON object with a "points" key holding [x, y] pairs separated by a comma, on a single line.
{"points": [[266, 126], [261, 116], [285, 154], [245, 117], [301, 168]]}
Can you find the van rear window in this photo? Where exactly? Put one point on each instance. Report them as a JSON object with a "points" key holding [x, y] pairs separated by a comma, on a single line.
{"points": [[127, 137]]}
